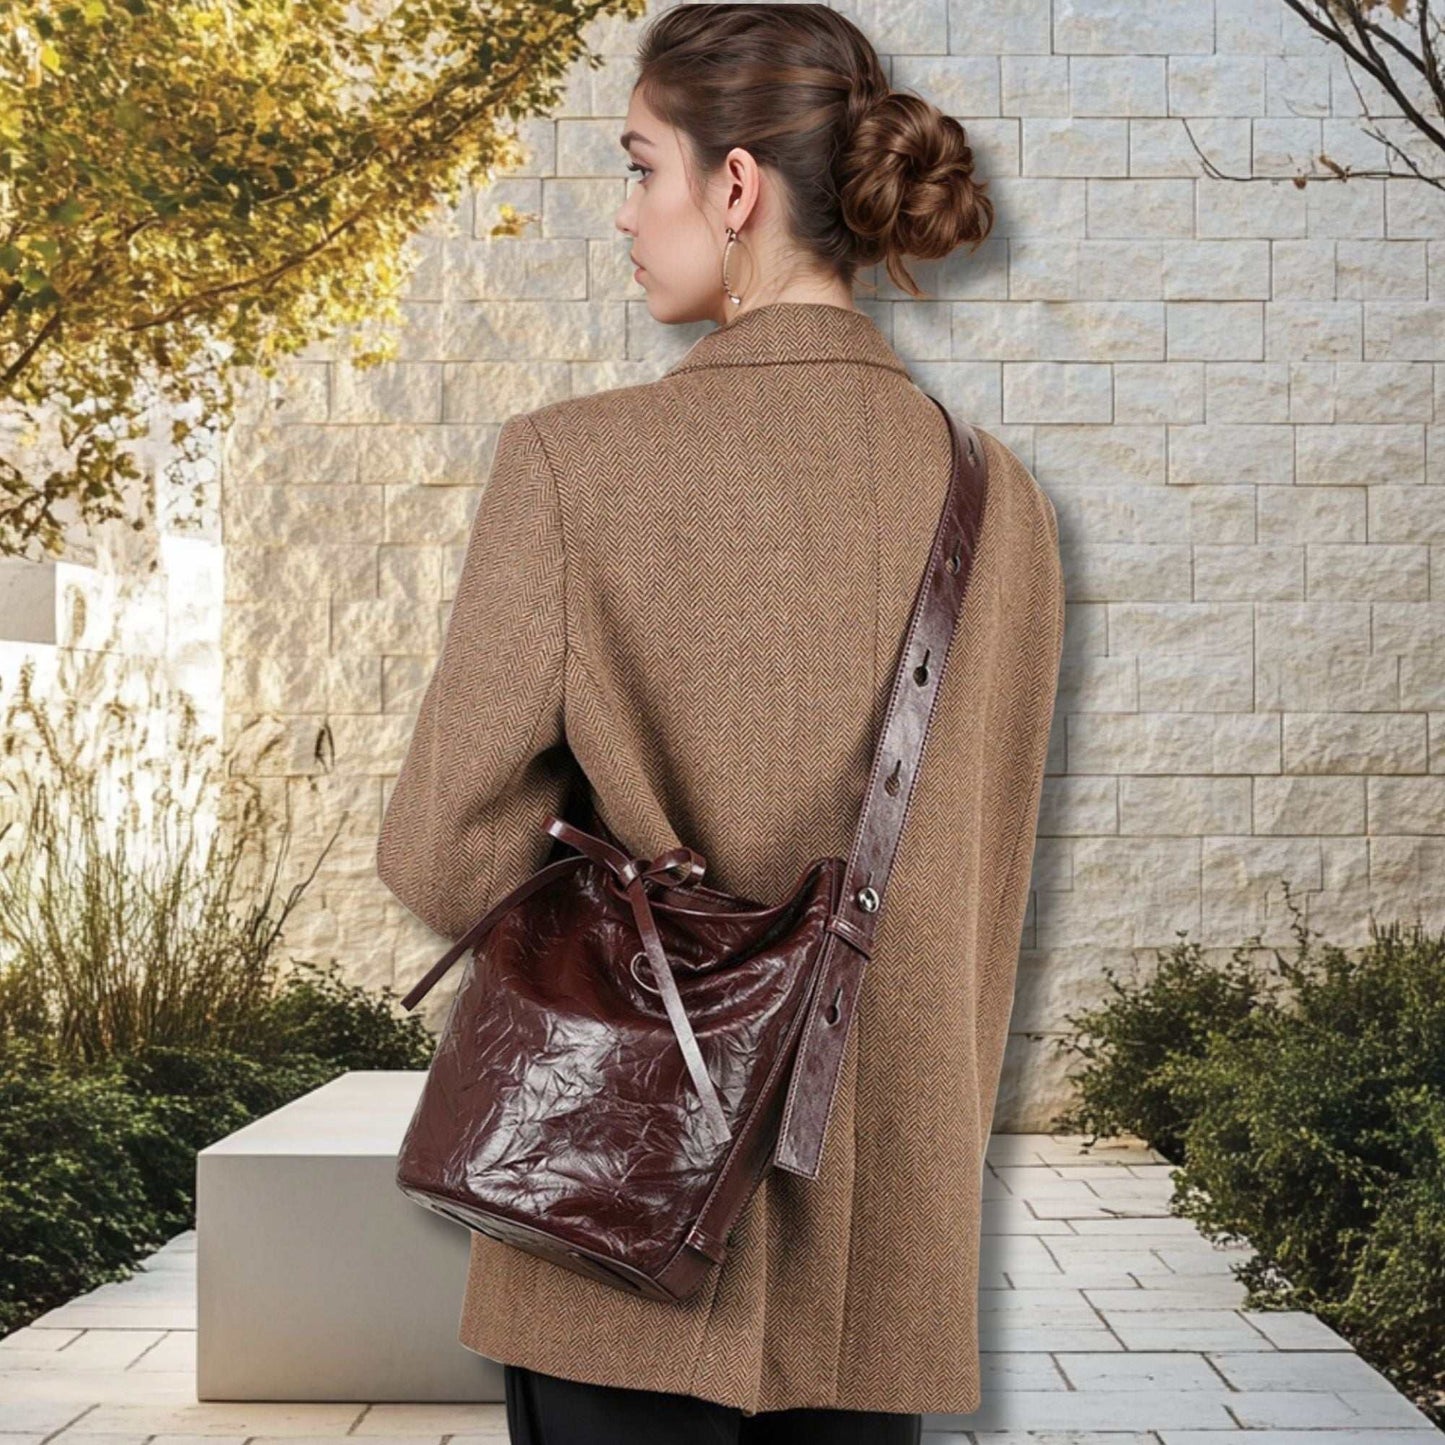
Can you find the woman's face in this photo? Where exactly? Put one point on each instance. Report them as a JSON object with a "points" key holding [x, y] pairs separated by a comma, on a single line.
{"points": [[677, 243]]}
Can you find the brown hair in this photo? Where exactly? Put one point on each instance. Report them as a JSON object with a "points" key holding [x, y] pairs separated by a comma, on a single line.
{"points": [[870, 173]]}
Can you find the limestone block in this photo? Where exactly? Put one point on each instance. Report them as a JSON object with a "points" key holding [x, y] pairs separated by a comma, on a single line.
{"points": [[1384, 391], [412, 572], [1219, 629], [384, 624], [1116, 27], [1359, 453], [1216, 85], [1162, 146], [1061, 331], [1272, 209], [1214, 330], [1233, 454], [1246, 742], [1407, 514], [1125, 85], [581, 208], [1100, 455], [1376, 572], [1241, 885], [373, 745], [1247, 391], [1159, 878], [1297, 85], [1404, 878], [299, 572], [1309, 805], [1038, 206], [1181, 682], [1312, 391], [1141, 207], [1406, 805], [1302, 270], [1140, 742], [1104, 270], [961, 85], [1313, 330], [1192, 806], [494, 391], [1356, 209], [274, 682], [1245, 27], [1035, 85], [1312, 514], [1066, 391], [923, 330], [1254, 571], [403, 680], [999, 27], [1380, 742], [1404, 330], [516, 268], [533, 330], [1158, 391], [1216, 271], [1413, 209], [441, 515], [1285, 145], [306, 453], [271, 625], [393, 391], [522, 193], [1073, 147]]}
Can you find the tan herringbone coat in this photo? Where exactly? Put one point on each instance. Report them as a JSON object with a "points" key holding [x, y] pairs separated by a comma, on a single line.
{"points": [[696, 588]]}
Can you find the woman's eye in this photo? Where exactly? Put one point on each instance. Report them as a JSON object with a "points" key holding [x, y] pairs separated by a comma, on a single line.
{"points": [[640, 169]]}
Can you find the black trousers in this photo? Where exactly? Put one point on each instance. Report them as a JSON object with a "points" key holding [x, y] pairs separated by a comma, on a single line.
{"points": [[547, 1410]]}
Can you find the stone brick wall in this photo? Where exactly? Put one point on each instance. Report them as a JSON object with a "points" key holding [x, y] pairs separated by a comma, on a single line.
{"points": [[1231, 389]]}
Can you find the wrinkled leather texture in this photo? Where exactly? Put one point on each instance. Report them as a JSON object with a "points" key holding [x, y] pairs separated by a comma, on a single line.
{"points": [[557, 1100], [558, 1113]]}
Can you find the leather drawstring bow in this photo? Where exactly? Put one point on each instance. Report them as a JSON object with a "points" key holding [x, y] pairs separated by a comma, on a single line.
{"points": [[634, 874]]}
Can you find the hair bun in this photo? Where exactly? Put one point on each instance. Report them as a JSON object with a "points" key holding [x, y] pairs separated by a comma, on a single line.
{"points": [[906, 183]]}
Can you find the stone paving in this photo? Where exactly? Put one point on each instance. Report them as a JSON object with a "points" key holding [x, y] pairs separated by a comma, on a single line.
{"points": [[1105, 1322]]}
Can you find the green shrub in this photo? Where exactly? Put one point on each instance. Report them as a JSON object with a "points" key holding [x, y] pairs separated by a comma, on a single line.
{"points": [[144, 1010], [1308, 1119], [74, 1201], [1142, 1043], [98, 1162], [317, 1011]]}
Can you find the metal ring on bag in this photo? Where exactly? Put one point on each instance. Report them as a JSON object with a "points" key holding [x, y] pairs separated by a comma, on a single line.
{"points": [[650, 987]]}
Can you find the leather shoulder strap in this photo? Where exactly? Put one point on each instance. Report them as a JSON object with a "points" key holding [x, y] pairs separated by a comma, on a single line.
{"points": [[896, 760]]}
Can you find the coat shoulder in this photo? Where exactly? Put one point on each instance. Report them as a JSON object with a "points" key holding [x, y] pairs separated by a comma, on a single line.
{"points": [[598, 412], [1009, 469]]}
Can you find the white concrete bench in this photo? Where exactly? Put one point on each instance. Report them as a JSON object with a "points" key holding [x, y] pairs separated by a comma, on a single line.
{"points": [[316, 1278]]}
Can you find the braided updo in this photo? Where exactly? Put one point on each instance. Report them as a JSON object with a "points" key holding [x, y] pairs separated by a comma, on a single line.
{"points": [[870, 173]]}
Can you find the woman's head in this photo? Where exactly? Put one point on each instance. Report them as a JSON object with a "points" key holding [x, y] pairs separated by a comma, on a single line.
{"points": [[778, 121]]}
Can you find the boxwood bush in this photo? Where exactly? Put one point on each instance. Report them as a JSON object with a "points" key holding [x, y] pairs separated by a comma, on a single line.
{"points": [[145, 1008], [98, 1161], [1303, 1099]]}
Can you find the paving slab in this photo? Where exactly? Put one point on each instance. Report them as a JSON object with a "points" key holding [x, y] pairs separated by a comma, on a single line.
{"points": [[1105, 1321]]}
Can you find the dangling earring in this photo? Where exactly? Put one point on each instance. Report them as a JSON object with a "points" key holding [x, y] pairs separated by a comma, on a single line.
{"points": [[727, 250]]}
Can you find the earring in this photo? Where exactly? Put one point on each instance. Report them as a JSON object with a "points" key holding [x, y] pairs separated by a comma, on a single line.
{"points": [[727, 250]]}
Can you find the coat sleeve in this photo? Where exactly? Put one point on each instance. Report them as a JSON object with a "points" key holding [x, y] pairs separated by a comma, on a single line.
{"points": [[1041, 642], [488, 759]]}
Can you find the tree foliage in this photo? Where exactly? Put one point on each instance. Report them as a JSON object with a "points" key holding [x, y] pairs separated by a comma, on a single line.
{"points": [[192, 186]]}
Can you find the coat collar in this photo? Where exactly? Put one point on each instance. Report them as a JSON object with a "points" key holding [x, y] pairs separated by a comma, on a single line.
{"points": [[792, 331]]}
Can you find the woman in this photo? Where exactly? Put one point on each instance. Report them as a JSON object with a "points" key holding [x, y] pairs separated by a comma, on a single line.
{"points": [[692, 594]]}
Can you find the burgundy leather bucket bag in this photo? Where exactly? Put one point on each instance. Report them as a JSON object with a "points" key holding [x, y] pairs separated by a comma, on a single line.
{"points": [[629, 1051]]}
